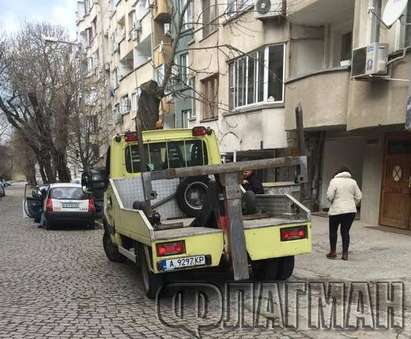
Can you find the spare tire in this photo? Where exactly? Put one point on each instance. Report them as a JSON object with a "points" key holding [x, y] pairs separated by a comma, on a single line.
{"points": [[191, 194]]}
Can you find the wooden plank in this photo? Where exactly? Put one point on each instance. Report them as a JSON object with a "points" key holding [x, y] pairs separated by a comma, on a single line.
{"points": [[236, 237], [230, 167]]}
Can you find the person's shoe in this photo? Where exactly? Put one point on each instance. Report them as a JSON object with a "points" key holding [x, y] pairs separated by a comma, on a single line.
{"points": [[344, 256], [332, 255]]}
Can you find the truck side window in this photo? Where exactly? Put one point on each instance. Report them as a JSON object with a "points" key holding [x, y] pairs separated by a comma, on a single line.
{"points": [[133, 158]]}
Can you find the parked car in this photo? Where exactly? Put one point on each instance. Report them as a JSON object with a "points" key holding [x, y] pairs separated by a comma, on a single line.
{"points": [[2, 190], [68, 204]]}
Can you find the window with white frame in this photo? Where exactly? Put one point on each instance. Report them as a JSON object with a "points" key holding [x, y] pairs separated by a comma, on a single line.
{"points": [[185, 116], [188, 14], [183, 70], [257, 77], [236, 6], [192, 115], [209, 14], [134, 101], [125, 104]]}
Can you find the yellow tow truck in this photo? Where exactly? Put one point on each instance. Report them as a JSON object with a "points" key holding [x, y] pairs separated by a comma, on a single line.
{"points": [[171, 205]]}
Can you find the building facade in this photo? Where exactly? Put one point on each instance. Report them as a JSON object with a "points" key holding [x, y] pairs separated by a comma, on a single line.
{"points": [[357, 122]]}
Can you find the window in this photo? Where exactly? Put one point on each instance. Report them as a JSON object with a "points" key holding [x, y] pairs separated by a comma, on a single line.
{"points": [[257, 77], [210, 98], [185, 116], [236, 6], [68, 193], [408, 27], [346, 46], [164, 155], [210, 13], [125, 104], [192, 115], [183, 68], [134, 102], [188, 14]]}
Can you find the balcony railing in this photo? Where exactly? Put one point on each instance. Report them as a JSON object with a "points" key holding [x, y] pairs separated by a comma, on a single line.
{"points": [[323, 96], [162, 11], [161, 54]]}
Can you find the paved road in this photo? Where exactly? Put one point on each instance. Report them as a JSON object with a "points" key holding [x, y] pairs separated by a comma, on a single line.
{"points": [[59, 284]]}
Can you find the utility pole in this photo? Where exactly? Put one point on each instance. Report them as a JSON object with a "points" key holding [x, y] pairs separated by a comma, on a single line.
{"points": [[306, 190]]}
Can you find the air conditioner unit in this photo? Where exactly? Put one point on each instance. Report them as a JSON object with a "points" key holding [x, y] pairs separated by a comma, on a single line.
{"points": [[369, 61], [269, 9]]}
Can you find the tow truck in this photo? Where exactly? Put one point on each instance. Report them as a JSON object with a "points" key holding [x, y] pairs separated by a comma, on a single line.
{"points": [[171, 205]]}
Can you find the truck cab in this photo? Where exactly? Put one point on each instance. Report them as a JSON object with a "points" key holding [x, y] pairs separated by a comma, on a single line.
{"points": [[188, 225]]}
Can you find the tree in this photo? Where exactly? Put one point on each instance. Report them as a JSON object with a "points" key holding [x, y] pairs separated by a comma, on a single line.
{"points": [[6, 164], [24, 160], [87, 123], [37, 94]]}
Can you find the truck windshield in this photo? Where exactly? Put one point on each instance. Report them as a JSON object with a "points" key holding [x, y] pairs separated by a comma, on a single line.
{"points": [[164, 155]]}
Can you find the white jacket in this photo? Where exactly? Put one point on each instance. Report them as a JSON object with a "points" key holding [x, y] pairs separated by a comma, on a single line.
{"points": [[344, 194]]}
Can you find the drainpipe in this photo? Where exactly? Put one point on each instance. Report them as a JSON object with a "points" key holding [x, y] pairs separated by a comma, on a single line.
{"points": [[374, 6]]}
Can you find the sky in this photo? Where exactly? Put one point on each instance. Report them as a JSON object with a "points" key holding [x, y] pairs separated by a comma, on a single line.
{"points": [[14, 12]]}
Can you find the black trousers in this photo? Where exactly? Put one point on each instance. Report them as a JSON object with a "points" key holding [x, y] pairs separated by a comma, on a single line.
{"points": [[345, 220]]}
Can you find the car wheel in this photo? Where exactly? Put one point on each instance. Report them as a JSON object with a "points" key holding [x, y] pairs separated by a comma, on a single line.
{"points": [[151, 282], [48, 225], [286, 268], [111, 249], [191, 194]]}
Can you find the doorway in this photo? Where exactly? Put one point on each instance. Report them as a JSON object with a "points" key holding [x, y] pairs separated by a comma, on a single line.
{"points": [[396, 183]]}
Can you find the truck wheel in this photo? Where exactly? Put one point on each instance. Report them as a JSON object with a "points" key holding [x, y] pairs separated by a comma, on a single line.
{"points": [[151, 282], [191, 194], [286, 268], [267, 270], [111, 249]]}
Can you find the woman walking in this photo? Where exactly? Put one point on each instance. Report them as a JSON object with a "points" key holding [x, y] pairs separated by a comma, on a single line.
{"points": [[344, 195]]}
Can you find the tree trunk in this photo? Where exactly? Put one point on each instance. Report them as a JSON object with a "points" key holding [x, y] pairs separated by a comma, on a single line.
{"points": [[60, 163], [42, 173]]}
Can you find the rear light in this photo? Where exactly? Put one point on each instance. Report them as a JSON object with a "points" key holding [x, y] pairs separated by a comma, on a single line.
{"points": [[49, 205], [201, 131], [171, 248], [130, 136], [91, 206], [293, 233]]}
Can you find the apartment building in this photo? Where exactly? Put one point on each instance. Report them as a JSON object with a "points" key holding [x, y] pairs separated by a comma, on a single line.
{"points": [[117, 40], [354, 121], [240, 66]]}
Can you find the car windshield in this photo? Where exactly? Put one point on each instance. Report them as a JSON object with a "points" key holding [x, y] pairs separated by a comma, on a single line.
{"points": [[164, 155], [67, 193]]}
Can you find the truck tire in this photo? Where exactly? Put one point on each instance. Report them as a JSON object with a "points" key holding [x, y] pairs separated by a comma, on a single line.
{"points": [[184, 195], [151, 282], [286, 268], [266, 270], [111, 249]]}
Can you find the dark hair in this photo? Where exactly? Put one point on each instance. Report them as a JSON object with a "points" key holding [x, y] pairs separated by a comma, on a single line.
{"points": [[343, 169]]}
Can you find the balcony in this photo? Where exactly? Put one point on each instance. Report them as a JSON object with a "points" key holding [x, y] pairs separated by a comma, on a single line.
{"points": [[162, 11], [323, 96], [319, 12], [161, 54]]}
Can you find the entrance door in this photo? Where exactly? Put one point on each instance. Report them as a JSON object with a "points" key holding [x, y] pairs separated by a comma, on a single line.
{"points": [[396, 187]]}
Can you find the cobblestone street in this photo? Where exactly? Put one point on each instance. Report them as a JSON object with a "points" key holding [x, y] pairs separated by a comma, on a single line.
{"points": [[59, 284]]}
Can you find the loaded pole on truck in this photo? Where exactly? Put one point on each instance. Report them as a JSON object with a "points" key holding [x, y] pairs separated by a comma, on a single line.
{"points": [[230, 175]]}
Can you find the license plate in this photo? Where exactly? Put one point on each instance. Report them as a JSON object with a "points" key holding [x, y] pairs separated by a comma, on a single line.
{"points": [[173, 264], [70, 205]]}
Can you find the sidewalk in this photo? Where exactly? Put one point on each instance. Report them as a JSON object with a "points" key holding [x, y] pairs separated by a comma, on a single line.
{"points": [[374, 255]]}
